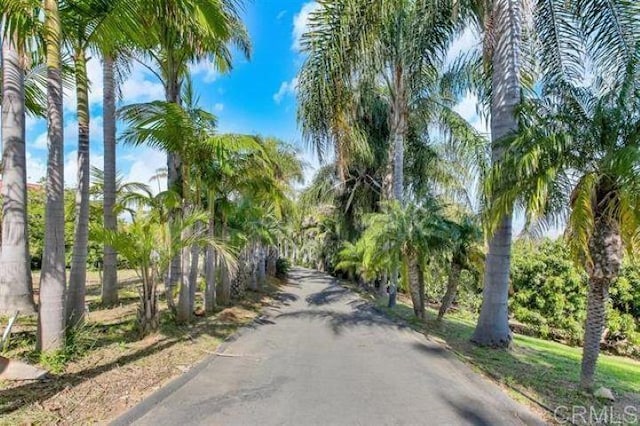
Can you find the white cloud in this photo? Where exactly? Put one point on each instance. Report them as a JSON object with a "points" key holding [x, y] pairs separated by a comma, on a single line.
{"points": [[281, 14], [141, 86], [36, 168], [206, 69], [286, 88], [468, 41], [300, 23], [219, 107], [146, 167], [468, 109], [40, 142]]}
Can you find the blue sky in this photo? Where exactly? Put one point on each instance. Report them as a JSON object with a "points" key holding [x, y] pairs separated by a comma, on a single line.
{"points": [[257, 96]]}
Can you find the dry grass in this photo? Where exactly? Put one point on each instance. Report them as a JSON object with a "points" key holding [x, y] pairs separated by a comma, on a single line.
{"points": [[107, 369]]}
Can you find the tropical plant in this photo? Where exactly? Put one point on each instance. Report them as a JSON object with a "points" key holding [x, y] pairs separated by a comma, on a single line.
{"points": [[401, 43], [466, 247], [15, 272], [404, 237], [148, 244], [576, 157], [51, 319]]}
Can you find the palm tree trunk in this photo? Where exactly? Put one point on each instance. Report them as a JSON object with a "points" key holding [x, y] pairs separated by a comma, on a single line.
{"points": [[110, 261], [395, 188], [452, 290], [263, 269], [16, 289], [493, 324], [194, 273], [51, 319], [225, 274], [174, 183], [183, 313], [78, 274], [210, 263], [416, 284], [605, 248]]}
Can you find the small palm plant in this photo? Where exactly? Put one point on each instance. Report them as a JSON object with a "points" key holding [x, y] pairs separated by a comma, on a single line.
{"points": [[150, 242], [577, 159], [403, 237], [467, 253]]}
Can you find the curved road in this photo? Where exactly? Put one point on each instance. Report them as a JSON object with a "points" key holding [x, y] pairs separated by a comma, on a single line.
{"points": [[323, 357]]}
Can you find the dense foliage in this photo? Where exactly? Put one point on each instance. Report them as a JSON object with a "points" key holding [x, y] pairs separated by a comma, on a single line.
{"points": [[550, 296]]}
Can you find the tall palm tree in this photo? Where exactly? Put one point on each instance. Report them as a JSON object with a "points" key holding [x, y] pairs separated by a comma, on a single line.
{"points": [[178, 33], [577, 157], [503, 49], [560, 32], [189, 132], [51, 320], [88, 25], [16, 290], [400, 42], [109, 296]]}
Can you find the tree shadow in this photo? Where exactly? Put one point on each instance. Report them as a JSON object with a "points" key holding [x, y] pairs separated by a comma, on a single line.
{"points": [[363, 315], [14, 398], [327, 296]]}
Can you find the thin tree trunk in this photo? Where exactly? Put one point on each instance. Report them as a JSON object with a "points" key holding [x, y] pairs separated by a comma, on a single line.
{"points": [[605, 248], [395, 188], [452, 290], [194, 274], [78, 274], [263, 260], [16, 289], [174, 183], [493, 324], [183, 313], [210, 263], [51, 319], [110, 260], [225, 275], [416, 284]]}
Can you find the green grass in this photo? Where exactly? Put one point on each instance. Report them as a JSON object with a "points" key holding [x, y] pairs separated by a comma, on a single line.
{"points": [[545, 371]]}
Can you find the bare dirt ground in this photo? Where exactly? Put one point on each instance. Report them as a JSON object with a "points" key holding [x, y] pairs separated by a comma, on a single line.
{"points": [[107, 369]]}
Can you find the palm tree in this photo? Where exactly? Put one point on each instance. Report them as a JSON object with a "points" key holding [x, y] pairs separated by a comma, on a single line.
{"points": [[109, 294], [51, 321], [577, 157], [88, 24], [15, 273], [176, 34], [400, 42], [405, 236], [557, 39], [149, 245], [466, 248]]}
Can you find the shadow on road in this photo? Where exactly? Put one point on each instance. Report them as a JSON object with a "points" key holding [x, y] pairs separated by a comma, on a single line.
{"points": [[363, 315]]}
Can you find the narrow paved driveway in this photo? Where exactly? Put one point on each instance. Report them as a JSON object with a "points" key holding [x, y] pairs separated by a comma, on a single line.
{"points": [[323, 357]]}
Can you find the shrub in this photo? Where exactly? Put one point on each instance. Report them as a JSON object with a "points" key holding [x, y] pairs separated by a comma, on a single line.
{"points": [[282, 268]]}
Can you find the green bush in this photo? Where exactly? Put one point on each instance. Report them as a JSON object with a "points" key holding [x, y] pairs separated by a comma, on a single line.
{"points": [[549, 295], [282, 268]]}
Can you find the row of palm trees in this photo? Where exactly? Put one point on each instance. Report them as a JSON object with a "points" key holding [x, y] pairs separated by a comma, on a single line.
{"points": [[226, 193], [557, 81]]}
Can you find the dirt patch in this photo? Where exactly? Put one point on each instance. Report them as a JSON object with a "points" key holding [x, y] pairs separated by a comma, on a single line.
{"points": [[116, 371]]}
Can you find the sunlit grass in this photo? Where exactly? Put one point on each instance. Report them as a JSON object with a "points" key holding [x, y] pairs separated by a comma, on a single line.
{"points": [[545, 370]]}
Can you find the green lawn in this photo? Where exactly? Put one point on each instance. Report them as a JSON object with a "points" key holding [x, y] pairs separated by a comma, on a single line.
{"points": [[548, 372]]}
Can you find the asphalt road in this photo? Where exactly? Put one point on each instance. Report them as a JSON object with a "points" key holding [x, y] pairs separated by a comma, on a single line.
{"points": [[323, 357]]}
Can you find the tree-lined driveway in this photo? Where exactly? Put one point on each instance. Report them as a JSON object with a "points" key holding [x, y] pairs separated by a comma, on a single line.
{"points": [[324, 357]]}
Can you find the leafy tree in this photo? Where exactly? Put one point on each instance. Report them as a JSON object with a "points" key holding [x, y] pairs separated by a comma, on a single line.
{"points": [[577, 157]]}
